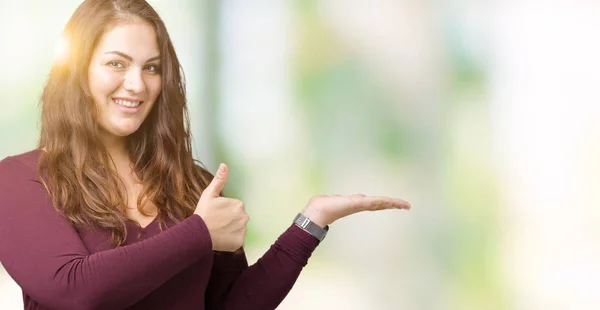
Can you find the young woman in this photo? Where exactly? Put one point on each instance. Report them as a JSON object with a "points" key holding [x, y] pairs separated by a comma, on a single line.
{"points": [[111, 210]]}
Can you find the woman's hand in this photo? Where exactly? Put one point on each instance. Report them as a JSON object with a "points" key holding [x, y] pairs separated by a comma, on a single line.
{"points": [[324, 210], [225, 217]]}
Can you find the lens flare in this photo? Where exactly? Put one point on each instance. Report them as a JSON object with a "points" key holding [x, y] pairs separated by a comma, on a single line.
{"points": [[61, 49]]}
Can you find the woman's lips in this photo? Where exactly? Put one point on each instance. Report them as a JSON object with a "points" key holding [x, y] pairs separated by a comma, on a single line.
{"points": [[120, 103]]}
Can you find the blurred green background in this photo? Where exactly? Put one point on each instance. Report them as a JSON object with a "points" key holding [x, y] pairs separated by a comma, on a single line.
{"points": [[482, 114]]}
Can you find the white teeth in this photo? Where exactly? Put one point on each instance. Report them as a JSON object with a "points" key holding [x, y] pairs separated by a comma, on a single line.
{"points": [[130, 104]]}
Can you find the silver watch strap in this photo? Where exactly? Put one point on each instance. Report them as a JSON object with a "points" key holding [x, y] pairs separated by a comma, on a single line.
{"points": [[310, 227]]}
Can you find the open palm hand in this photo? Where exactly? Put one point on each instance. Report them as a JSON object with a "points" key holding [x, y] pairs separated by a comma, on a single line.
{"points": [[324, 210]]}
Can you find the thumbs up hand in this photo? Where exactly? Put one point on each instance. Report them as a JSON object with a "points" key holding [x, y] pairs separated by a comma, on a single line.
{"points": [[224, 217]]}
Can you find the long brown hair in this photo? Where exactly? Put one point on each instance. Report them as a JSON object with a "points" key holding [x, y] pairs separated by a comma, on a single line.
{"points": [[76, 168]]}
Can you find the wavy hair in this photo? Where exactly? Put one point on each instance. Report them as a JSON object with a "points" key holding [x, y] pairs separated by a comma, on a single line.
{"points": [[76, 168]]}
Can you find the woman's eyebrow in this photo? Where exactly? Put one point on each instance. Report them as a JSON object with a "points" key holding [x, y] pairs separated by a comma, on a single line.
{"points": [[129, 57]]}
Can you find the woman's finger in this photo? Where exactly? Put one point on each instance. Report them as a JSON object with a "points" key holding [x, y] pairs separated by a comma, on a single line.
{"points": [[376, 203], [401, 204]]}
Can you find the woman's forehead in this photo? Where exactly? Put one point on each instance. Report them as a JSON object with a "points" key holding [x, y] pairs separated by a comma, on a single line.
{"points": [[134, 38]]}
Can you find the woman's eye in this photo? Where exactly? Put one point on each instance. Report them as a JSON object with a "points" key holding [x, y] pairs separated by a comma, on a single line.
{"points": [[116, 64], [153, 68]]}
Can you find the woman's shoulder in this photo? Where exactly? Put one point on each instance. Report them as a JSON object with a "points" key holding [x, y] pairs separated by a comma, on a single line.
{"points": [[22, 163]]}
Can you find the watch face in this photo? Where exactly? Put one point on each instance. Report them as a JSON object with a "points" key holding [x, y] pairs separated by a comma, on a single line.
{"points": [[302, 220]]}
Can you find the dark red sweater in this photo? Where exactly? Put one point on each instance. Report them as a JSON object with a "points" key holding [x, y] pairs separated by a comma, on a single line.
{"points": [[61, 267]]}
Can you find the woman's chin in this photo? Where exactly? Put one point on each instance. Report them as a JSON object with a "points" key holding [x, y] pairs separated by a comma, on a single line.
{"points": [[127, 132], [124, 131]]}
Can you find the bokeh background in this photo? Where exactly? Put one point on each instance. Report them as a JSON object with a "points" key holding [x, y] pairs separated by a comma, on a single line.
{"points": [[483, 114]]}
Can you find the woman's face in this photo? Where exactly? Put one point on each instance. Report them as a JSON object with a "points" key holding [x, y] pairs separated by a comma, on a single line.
{"points": [[124, 77]]}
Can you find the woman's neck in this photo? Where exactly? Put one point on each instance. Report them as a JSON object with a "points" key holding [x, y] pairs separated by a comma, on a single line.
{"points": [[115, 145]]}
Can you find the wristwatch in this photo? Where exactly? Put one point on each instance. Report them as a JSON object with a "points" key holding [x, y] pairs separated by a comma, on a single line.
{"points": [[307, 225]]}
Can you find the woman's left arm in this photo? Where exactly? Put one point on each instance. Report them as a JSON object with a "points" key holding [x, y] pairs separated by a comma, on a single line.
{"points": [[234, 285], [265, 284]]}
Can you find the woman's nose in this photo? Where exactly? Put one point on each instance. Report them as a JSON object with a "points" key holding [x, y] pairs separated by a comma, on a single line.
{"points": [[134, 81]]}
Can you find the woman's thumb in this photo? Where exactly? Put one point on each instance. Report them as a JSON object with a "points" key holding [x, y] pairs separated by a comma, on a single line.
{"points": [[218, 182]]}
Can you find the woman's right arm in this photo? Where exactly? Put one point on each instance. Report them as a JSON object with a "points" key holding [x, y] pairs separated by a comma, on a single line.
{"points": [[44, 254]]}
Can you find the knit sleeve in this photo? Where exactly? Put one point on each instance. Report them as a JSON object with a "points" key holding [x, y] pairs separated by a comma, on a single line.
{"points": [[266, 283]]}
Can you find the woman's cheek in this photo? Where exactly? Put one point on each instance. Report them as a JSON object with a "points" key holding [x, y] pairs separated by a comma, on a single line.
{"points": [[110, 80]]}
